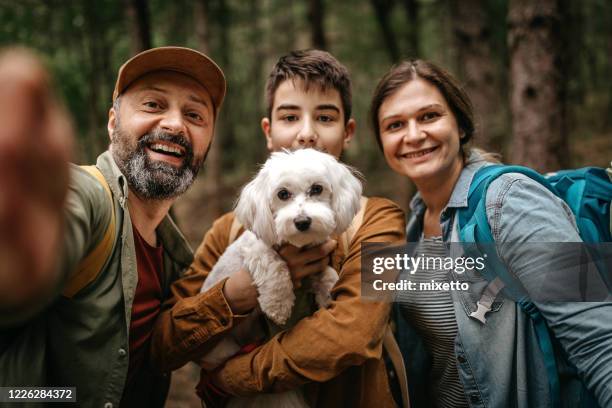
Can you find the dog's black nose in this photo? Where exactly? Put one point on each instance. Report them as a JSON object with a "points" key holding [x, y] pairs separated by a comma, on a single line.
{"points": [[302, 223]]}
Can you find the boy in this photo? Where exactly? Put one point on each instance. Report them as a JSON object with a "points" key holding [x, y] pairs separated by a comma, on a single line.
{"points": [[336, 353]]}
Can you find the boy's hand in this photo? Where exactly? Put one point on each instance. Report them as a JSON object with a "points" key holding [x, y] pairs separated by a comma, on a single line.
{"points": [[305, 262], [35, 145]]}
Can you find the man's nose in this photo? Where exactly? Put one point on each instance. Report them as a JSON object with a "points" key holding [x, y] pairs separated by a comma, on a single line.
{"points": [[173, 122], [307, 135]]}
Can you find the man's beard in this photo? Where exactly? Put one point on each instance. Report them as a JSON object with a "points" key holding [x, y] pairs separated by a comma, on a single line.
{"points": [[152, 179]]}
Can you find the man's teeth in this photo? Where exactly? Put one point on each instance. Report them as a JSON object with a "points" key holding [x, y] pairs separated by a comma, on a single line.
{"points": [[419, 154], [167, 149]]}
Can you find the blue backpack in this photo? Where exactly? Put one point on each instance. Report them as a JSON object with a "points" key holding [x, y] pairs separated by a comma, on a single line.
{"points": [[588, 193]]}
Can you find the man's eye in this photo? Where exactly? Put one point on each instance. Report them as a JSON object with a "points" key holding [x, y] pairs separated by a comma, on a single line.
{"points": [[315, 189], [283, 194], [326, 118], [195, 116], [290, 118]]}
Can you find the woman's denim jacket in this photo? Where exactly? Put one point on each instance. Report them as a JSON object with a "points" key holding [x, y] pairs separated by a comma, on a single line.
{"points": [[499, 362]]}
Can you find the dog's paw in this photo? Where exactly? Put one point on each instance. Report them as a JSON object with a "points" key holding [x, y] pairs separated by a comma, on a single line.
{"points": [[280, 311]]}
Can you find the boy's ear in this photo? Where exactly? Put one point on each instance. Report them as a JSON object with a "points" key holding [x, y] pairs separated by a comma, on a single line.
{"points": [[349, 132], [265, 127]]}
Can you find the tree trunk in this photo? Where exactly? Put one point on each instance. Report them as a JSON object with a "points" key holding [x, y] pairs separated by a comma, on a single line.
{"points": [[537, 85], [316, 17], [212, 167], [412, 16], [140, 31], [382, 9], [479, 72]]}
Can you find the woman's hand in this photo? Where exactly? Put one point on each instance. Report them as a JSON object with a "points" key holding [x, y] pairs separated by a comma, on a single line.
{"points": [[306, 262]]}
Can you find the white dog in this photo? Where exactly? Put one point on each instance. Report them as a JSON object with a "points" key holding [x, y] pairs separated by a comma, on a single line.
{"points": [[300, 198]]}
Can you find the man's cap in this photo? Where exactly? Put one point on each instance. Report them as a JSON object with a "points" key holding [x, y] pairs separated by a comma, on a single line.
{"points": [[179, 59]]}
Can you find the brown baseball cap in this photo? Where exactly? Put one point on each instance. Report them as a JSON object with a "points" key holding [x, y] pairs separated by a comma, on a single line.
{"points": [[180, 59]]}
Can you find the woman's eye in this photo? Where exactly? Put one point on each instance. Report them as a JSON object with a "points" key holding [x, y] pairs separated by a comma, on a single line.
{"points": [[283, 194], [429, 116], [316, 189]]}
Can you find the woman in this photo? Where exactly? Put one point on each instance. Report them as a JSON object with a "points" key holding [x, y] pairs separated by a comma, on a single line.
{"points": [[422, 121]]}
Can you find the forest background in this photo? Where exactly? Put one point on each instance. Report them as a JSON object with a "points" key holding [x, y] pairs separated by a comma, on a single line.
{"points": [[539, 74]]}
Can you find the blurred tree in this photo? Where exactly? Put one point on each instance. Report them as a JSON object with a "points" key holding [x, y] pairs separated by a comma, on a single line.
{"points": [[478, 69], [412, 16], [138, 13], [316, 18], [382, 10], [537, 85]]}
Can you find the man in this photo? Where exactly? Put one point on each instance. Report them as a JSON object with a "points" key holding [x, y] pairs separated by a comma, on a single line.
{"points": [[335, 355], [80, 322]]}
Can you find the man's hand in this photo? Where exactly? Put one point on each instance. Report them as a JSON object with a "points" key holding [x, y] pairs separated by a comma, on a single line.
{"points": [[306, 262], [35, 145]]}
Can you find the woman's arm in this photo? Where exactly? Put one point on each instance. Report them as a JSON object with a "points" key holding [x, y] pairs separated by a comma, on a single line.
{"points": [[534, 228]]}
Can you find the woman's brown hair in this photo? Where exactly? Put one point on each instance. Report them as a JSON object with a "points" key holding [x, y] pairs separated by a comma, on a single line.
{"points": [[455, 96]]}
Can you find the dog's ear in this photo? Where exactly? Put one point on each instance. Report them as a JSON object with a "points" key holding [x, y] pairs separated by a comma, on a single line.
{"points": [[253, 209], [346, 194]]}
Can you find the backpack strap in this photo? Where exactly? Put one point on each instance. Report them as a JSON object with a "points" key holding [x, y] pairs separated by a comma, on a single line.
{"points": [[234, 229], [347, 236], [395, 355], [90, 266], [474, 229]]}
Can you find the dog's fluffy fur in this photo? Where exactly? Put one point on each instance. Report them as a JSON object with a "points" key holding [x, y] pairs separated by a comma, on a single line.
{"points": [[300, 198]]}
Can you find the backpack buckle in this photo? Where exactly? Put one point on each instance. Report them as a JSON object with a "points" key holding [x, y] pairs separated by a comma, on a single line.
{"points": [[479, 314]]}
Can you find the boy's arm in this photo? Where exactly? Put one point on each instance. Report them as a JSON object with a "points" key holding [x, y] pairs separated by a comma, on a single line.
{"points": [[190, 319], [321, 346]]}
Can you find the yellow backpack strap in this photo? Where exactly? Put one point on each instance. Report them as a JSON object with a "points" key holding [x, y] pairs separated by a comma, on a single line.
{"points": [[394, 353], [90, 266], [347, 236]]}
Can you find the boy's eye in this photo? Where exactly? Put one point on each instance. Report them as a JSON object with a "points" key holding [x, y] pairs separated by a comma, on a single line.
{"points": [[326, 118], [315, 189], [283, 194], [290, 118], [394, 125]]}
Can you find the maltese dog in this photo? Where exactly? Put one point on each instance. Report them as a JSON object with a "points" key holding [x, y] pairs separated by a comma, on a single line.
{"points": [[298, 197]]}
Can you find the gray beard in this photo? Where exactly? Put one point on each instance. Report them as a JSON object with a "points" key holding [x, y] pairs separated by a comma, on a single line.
{"points": [[153, 180]]}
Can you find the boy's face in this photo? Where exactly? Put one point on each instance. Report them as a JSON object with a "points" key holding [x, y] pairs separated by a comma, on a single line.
{"points": [[313, 118]]}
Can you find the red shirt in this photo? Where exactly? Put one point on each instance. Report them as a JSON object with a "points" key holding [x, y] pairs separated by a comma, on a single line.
{"points": [[147, 303]]}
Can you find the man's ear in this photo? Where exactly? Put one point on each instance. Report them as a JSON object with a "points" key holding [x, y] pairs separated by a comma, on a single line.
{"points": [[265, 127], [112, 122], [349, 132]]}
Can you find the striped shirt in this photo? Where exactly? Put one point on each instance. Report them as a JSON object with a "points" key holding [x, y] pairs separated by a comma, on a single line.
{"points": [[432, 314]]}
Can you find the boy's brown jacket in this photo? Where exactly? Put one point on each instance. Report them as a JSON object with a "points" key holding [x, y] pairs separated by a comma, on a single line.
{"points": [[335, 353]]}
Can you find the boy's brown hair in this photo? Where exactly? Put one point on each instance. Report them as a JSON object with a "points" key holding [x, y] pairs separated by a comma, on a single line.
{"points": [[314, 67]]}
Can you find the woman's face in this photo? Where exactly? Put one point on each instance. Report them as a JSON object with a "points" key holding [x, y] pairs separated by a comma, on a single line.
{"points": [[419, 132]]}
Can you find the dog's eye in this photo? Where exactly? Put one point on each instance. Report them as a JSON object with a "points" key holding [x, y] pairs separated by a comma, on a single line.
{"points": [[283, 194], [316, 189]]}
